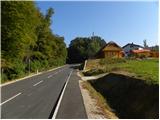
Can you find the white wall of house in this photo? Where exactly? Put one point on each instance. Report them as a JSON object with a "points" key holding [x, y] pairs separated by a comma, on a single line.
{"points": [[130, 47]]}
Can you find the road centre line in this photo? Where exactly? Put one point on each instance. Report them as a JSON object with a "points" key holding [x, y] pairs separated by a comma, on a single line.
{"points": [[25, 78], [61, 96], [50, 76], [53, 74], [10, 99], [38, 83]]}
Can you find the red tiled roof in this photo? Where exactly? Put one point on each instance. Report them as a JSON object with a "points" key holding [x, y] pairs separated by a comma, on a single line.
{"points": [[140, 51]]}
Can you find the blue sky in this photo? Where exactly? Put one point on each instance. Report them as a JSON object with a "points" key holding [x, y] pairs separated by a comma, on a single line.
{"points": [[122, 22]]}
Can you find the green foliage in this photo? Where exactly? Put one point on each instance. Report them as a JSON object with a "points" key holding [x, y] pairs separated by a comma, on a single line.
{"points": [[81, 49], [35, 65], [26, 36], [19, 21], [3, 77], [17, 69]]}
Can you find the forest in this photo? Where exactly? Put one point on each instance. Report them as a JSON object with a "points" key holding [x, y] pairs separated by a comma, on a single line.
{"points": [[27, 42]]}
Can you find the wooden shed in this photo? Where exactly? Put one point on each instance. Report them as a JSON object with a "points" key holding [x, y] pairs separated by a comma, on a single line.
{"points": [[111, 50]]}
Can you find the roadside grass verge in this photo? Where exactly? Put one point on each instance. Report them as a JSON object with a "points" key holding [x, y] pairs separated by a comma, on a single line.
{"points": [[147, 69], [100, 101]]}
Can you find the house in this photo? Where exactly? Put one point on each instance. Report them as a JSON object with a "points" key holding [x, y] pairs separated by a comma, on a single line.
{"points": [[141, 53], [110, 50], [154, 54], [154, 51], [129, 47]]}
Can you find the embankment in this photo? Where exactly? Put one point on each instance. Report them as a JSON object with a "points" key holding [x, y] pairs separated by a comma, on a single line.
{"points": [[129, 97]]}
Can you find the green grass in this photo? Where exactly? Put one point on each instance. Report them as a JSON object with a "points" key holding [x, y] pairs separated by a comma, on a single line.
{"points": [[145, 69]]}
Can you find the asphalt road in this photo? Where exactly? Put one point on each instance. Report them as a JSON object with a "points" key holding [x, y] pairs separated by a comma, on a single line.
{"points": [[72, 106], [36, 97]]}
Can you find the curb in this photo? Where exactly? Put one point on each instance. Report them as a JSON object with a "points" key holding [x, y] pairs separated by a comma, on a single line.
{"points": [[16, 80]]}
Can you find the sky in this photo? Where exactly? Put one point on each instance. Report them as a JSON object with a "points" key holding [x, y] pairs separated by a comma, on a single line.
{"points": [[121, 22]]}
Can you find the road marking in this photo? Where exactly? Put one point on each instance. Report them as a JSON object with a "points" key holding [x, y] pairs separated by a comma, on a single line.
{"points": [[10, 99], [50, 76], [53, 74], [60, 99], [25, 78], [38, 83]]}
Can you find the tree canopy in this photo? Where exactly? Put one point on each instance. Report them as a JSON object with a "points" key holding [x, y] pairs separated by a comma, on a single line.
{"points": [[82, 48], [27, 40]]}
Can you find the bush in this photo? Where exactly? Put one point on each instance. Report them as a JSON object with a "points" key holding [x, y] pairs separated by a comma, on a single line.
{"points": [[44, 63], [3, 77], [17, 69], [35, 65]]}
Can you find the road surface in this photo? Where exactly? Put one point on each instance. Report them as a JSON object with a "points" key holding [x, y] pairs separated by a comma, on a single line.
{"points": [[47, 95]]}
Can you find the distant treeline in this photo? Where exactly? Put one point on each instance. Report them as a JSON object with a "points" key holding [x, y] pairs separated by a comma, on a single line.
{"points": [[27, 42], [82, 48]]}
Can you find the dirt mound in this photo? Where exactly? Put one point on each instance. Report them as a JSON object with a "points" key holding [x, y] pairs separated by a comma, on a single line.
{"points": [[129, 97]]}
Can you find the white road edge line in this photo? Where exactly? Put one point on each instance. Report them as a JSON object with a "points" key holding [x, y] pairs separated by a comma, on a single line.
{"points": [[60, 99], [38, 83], [10, 99]]}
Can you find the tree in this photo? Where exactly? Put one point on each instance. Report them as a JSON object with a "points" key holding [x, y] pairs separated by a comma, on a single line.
{"points": [[82, 48], [145, 43], [19, 22], [27, 40]]}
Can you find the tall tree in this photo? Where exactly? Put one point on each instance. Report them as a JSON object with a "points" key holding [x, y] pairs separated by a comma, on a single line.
{"points": [[145, 43], [19, 22], [28, 43], [81, 49]]}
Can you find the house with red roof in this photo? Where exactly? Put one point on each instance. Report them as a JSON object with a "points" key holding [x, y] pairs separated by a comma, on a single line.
{"points": [[141, 53], [129, 47]]}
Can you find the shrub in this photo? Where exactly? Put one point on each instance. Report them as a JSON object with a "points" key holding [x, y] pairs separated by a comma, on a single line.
{"points": [[35, 65], [17, 69], [3, 77]]}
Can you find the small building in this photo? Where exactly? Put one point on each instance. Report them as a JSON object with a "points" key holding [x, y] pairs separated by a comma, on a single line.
{"points": [[154, 54], [110, 50], [129, 47], [154, 51]]}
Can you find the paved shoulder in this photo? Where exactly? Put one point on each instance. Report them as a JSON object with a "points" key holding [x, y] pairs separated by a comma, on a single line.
{"points": [[72, 106]]}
